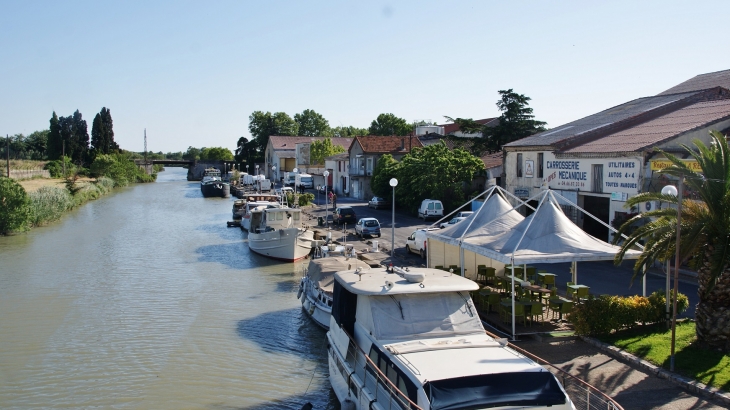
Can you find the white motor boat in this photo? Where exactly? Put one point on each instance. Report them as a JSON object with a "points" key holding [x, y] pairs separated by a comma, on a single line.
{"points": [[250, 206], [405, 339], [315, 288], [278, 234]]}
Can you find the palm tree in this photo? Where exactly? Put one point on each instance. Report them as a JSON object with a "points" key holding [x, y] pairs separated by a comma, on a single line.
{"points": [[705, 239]]}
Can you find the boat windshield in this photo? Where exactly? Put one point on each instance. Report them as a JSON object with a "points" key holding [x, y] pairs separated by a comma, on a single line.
{"points": [[520, 389], [405, 316]]}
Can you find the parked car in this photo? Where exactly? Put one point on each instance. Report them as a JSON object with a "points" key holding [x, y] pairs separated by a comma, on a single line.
{"points": [[367, 226], [344, 214], [464, 213], [431, 208], [416, 243], [452, 222], [378, 202]]}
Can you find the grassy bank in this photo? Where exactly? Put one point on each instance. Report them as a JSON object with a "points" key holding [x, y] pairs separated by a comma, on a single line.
{"points": [[50, 202], [653, 343]]}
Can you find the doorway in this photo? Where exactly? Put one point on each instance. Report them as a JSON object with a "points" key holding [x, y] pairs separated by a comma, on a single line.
{"points": [[599, 207]]}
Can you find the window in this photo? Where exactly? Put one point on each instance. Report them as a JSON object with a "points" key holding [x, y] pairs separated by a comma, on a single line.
{"points": [[597, 178], [540, 161], [519, 166], [370, 165]]}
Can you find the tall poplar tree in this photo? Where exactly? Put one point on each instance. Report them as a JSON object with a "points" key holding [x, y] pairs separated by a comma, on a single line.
{"points": [[55, 144], [102, 134]]}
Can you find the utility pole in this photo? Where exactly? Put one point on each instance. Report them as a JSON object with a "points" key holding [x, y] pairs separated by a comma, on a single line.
{"points": [[145, 150], [63, 157], [7, 152]]}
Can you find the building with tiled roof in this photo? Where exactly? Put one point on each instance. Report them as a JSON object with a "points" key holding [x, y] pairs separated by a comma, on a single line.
{"points": [[600, 161], [364, 155], [287, 153], [453, 128]]}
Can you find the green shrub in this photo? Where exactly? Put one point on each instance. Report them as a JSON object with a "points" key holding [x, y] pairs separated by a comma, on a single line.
{"points": [[49, 203], [55, 168], [15, 207], [120, 168], [305, 199], [605, 314]]}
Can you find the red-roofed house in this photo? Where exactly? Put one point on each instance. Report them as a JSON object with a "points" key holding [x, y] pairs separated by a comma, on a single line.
{"points": [[287, 153], [364, 155]]}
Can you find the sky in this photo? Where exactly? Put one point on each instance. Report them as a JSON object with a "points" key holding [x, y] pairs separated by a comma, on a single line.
{"points": [[191, 72]]}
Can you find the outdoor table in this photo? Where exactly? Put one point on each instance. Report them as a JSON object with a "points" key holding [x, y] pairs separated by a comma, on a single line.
{"points": [[576, 287], [559, 302], [544, 275], [537, 289]]}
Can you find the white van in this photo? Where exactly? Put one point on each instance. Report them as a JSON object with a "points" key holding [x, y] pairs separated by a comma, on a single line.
{"points": [[416, 243], [431, 208], [265, 185], [290, 179], [304, 180]]}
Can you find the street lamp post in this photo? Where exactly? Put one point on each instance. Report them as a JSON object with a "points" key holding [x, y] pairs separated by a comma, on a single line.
{"points": [[671, 190], [327, 205], [273, 174], [258, 181], [393, 183]]}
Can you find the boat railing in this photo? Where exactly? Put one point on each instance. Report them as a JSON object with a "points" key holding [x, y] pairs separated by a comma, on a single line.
{"points": [[583, 395], [384, 391]]}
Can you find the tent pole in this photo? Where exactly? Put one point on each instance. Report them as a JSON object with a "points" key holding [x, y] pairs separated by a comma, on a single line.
{"points": [[461, 261], [643, 283], [512, 291], [574, 277]]}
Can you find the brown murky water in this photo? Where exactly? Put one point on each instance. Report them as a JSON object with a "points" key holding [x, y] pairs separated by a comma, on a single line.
{"points": [[144, 299]]}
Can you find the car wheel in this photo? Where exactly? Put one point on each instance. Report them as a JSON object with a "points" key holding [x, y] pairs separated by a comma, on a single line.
{"points": [[423, 254], [408, 249], [378, 235]]}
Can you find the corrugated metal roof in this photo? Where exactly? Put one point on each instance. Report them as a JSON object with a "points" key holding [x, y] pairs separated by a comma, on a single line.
{"points": [[655, 131], [702, 82], [599, 120]]}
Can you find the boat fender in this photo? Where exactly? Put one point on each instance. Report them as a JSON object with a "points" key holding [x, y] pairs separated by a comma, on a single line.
{"points": [[307, 406], [299, 292]]}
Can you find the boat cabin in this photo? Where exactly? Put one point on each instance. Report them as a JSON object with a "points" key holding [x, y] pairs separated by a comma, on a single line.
{"points": [[272, 219], [414, 337]]}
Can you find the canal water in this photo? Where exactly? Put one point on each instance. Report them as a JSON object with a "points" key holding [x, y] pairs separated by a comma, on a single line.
{"points": [[144, 299]]}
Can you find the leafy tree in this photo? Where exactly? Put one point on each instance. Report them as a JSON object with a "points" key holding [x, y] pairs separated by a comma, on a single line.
{"points": [[435, 171], [349, 131], [262, 125], [37, 143], [319, 150], [118, 167], [705, 238], [74, 132], [247, 152], [191, 154], [216, 154], [389, 124], [174, 155], [516, 121], [56, 167], [102, 133], [15, 207], [55, 142], [312, 124], [385, 169]]}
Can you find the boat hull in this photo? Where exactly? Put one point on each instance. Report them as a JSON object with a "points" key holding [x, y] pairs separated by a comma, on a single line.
{"points": [[215, 189], [312, 307], [290, 245]]}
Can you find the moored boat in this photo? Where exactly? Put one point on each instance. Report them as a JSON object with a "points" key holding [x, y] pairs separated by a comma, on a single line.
{"points": [[315, 288], [404, 339], [242, 207], [213, 186], [278, 234]]}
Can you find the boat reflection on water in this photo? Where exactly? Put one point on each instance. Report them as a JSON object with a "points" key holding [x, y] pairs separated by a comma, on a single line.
{"points": [[288, 332]]}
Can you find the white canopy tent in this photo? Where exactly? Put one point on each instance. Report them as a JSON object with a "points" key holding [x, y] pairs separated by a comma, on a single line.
{"points": [[501, 237]]}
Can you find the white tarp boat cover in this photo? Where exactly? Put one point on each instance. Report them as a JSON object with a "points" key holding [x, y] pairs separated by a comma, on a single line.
{"points": [[322, 270]]}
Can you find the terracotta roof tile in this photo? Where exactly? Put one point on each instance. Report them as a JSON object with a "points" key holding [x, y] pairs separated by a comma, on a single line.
{"points": [[388, 144], [452, 128], [280, 142], [492, 160], [702, 82], [653, 132]]}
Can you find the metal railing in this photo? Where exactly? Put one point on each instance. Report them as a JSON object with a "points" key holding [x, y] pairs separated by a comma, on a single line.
{"points": [[583, 395]]}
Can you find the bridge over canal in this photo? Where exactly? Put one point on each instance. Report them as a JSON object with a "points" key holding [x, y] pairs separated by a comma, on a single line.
{"points": [[195, 168]]}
